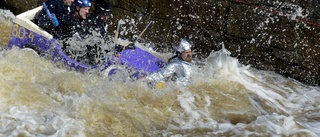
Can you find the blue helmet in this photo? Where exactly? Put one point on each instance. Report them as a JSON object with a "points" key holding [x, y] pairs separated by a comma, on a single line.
{"points": [[82, 3]]}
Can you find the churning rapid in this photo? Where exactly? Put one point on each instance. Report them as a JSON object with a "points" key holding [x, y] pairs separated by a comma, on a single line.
{"points": [[42, 98]]}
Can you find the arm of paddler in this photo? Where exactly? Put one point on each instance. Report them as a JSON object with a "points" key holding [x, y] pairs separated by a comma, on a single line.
{"points": [[164, 73], [50, 15], [157, 79]]}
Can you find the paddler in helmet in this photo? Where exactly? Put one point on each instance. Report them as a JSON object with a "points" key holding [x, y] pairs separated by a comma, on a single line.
{"points": [[179, 68], [76, 34]]}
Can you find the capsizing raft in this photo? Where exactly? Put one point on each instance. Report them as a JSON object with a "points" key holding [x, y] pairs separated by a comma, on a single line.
{"points": [[26, 34]]}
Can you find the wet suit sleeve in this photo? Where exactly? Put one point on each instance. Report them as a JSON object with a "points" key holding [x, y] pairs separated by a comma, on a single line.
{"points": [[167, 72]]}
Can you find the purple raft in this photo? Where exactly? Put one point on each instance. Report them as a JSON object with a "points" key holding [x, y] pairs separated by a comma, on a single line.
{"points": [[25, 34]]}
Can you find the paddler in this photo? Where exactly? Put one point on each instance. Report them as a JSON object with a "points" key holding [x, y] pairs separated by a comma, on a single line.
{"points": [[179, 68]]}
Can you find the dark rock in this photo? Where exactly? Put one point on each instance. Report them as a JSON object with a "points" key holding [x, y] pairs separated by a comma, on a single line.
{"points": [[3, 5], [19, 6]]}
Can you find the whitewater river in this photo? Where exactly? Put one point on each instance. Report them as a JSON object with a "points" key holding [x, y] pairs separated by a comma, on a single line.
{"points": [[40, 98]]}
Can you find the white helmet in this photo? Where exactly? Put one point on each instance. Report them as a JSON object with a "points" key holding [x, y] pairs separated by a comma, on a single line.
{"points": [[183, 45]]}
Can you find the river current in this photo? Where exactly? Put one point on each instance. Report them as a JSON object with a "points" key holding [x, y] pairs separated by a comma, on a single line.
{"points": [[42, 98]]}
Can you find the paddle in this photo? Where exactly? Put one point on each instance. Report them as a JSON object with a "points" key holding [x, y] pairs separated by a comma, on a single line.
{"points": [[131, 45], [117, 32], [143, 31], [52, 16], [117, 48]]}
